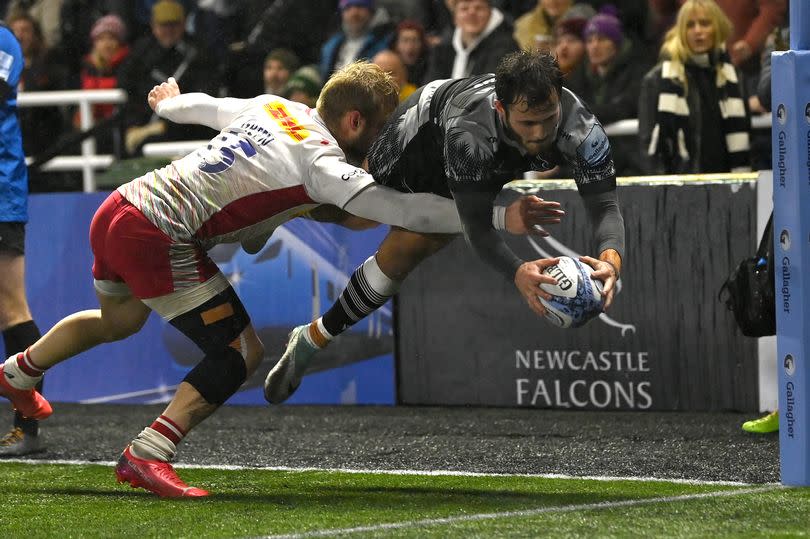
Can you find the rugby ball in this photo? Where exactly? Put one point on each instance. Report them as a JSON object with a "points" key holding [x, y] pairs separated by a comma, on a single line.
{"points": [[576, 298]]}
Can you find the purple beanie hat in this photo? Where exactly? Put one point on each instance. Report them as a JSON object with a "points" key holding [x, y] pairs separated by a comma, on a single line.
{"points": [[362, 3], [606, 25]]}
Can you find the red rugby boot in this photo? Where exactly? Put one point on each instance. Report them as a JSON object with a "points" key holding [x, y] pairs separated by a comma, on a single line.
{"points": [[26, 401], [153, 475]]}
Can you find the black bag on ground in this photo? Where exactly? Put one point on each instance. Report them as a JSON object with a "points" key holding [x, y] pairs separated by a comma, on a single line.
{"points": [[749, 290]]}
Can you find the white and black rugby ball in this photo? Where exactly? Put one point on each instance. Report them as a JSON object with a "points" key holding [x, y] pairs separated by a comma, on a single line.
{"points": [[576, 298]]}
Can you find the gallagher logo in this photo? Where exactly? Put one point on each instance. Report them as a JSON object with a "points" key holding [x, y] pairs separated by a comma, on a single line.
{"points": [[790, 365]]}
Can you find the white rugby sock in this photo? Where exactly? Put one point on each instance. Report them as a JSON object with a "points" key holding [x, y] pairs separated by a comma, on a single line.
{"points": [[152, 445], [20, 373], [158, 441]]}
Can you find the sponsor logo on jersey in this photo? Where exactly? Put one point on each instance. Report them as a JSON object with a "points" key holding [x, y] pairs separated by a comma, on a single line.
{"points": [[6, 61], [350, 175], [594, 149], [286, 121]]}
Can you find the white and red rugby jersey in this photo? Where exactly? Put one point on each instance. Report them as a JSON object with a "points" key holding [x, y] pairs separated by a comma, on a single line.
{"points": [[273, 159]]}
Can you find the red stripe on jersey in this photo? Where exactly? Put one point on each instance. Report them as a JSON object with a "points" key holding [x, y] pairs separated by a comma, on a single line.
{"points": [[252, 209]]}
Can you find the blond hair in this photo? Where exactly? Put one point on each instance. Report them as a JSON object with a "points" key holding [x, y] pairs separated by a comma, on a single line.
{"points": [[360, 86], [675, 47]]}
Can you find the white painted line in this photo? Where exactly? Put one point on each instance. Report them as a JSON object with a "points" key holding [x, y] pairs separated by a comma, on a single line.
{"points": [[519, 514], [131, 394], [451, 473]]}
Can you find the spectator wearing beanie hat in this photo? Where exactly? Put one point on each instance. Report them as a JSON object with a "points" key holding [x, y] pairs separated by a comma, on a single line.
{"points": [[304, 86], [606, 26], [99, 70], [609, 79], [569, 45], [109, 24], [358, 39], [368, 4]]}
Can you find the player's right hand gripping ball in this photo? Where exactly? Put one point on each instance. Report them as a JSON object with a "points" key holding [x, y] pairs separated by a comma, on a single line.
{"points": [[576, 298]]}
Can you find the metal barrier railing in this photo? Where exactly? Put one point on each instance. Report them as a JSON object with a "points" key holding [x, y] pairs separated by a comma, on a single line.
{"points": [[630, 126], [88, 161]]}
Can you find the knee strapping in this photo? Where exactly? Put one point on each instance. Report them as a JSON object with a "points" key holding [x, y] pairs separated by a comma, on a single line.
{"points": [[218, 376], [216, 327]]}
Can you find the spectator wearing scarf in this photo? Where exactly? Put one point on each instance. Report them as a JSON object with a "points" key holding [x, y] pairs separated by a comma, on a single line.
{"points": [[693, 115]]}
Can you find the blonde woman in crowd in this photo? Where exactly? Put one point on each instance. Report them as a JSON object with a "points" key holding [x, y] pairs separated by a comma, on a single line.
{"points": [[693, 115]]}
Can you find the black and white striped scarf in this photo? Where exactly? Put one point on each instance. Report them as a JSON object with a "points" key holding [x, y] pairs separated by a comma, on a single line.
{"points": [[672, 120]]}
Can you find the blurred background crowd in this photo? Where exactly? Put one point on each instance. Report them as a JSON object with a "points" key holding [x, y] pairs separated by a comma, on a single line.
{"points": [[692, 71]]}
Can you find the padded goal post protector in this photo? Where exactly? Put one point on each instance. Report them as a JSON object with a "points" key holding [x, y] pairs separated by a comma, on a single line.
{"points": [[791, 192]]}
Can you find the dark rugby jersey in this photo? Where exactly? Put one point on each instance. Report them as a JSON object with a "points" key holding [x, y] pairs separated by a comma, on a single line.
{"points": [[448, 139], [448, 136]]}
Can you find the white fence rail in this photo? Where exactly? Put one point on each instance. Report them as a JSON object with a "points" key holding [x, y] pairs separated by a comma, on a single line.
{"points": [[630, 126], [88, 161]]}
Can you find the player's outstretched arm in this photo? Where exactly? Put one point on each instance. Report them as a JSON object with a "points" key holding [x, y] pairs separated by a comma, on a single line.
{"points": [[428, 213], [193, 108], [475, 207], [331, 177], [608, 228], [417, 212]]}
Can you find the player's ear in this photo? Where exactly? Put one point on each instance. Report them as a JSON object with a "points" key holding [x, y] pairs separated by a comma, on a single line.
{"points": [[356, 120], [499, 107], [351, 121]]}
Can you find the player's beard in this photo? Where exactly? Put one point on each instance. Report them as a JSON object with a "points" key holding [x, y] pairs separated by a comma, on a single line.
{"points": [[533, 149], [356, 150], [354, 156]]}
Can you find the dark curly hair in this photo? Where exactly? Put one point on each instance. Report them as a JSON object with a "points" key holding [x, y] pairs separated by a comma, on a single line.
{"points": [[529, 76]]}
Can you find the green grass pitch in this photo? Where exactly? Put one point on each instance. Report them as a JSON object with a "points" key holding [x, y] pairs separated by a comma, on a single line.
{"points": [[58, 500]]}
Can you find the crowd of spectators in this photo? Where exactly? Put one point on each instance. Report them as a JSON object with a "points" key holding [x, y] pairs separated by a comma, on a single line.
{"points": [[243, 48]]}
